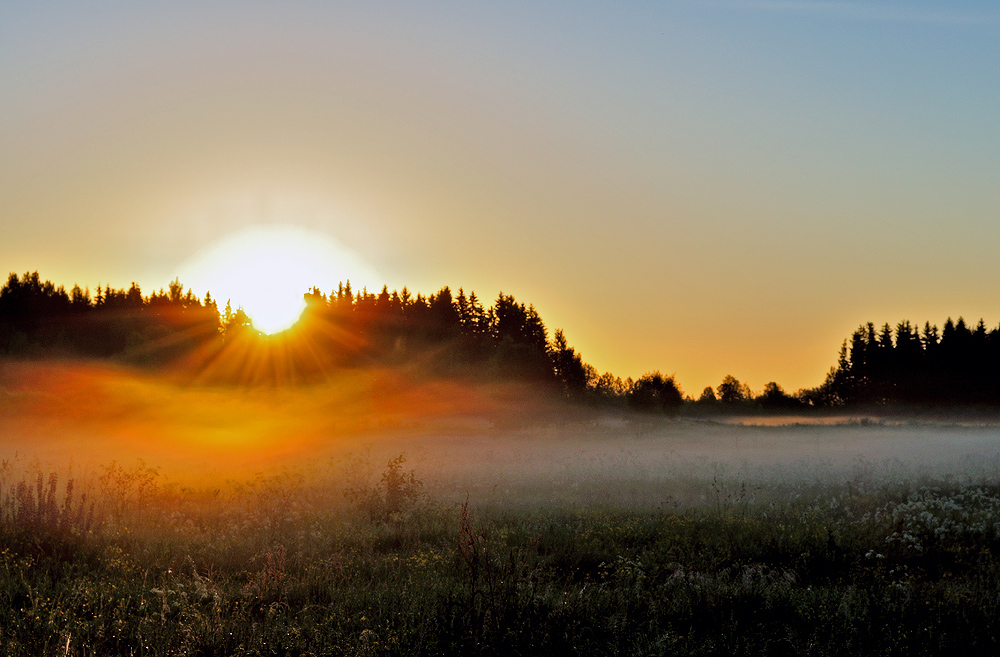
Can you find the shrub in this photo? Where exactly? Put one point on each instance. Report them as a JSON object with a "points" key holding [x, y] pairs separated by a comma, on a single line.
{"points": [[396, 493]]}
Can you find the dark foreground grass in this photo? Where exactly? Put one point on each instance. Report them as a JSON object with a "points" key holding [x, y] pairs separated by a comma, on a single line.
{"points": [[286, 567]]}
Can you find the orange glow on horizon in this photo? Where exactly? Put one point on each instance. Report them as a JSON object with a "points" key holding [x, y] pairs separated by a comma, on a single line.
{"points": [[91, 415]]}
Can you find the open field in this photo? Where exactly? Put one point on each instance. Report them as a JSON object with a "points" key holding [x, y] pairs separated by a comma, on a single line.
{"points": [[134, 520]]}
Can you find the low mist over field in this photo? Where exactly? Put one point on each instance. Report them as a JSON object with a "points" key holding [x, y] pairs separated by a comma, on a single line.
{"points": [[375, 513], [488, 441]]}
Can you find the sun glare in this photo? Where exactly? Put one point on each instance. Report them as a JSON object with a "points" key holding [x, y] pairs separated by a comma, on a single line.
{"points": [[267, 269]]}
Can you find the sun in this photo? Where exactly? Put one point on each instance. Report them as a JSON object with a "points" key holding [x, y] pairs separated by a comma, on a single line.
{"points": [[267, 269]]}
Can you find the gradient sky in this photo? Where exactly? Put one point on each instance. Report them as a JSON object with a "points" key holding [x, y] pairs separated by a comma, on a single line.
{"points": [[701, 188]]}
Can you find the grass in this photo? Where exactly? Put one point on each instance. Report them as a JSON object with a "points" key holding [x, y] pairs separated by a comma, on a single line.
{"points": [[308, 565]]}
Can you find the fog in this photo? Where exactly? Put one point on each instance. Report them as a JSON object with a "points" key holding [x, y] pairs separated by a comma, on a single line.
{"points": [[490, 443]]}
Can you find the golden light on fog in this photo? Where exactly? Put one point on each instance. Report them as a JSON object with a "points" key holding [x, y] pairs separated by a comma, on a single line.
{"points": [[266, 269]]}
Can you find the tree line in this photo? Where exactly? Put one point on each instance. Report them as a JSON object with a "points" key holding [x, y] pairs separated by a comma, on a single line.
{"points": [[956, 365], [456, 334], [443, 333], [39, 319]]}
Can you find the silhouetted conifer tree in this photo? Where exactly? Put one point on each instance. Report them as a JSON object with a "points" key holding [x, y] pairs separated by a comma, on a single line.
{"points": [[568, 366]]}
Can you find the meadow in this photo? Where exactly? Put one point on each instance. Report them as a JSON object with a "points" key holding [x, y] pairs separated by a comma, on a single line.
{"points": [[445, 533]]}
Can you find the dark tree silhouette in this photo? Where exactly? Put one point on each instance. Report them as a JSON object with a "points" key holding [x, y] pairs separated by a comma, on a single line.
{"points": [[38, 319], [774, 397], [952, 367], [655, 392], [568, 367], [732, 391]]}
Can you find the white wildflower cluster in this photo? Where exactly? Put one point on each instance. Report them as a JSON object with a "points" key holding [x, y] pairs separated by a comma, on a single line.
{"points": [[179, 594], [688, 578], [933, 516], [829, 504], [625, 570], [748, 579]]}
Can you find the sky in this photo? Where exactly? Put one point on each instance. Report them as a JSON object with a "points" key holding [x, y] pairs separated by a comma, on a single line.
{"points": [[697, 187]]}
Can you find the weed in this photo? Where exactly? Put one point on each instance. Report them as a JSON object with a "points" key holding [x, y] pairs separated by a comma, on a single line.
{"points": [[125, 488], [35, 510], [497, 577], [396, 493]]}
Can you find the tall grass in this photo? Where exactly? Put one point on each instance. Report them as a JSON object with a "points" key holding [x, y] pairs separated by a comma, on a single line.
{"points": [[126, 563]]}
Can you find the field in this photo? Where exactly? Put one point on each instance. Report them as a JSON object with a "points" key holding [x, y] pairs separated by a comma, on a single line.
{"points": [[442, 532]]}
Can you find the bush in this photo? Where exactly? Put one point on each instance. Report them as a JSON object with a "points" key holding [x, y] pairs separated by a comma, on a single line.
{"points": [[396, 493]]}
